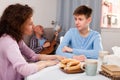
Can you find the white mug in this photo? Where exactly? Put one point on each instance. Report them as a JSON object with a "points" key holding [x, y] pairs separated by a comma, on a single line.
{"points": [[90, 67]]}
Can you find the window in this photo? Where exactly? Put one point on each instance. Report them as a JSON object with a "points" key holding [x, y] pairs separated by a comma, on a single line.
{"points": [[110, 14]]}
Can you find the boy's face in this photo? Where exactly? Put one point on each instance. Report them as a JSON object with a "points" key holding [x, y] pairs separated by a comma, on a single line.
{"points": [[81, 22]]}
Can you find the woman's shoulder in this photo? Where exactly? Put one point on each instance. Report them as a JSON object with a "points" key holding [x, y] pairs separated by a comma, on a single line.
{"points": [[7, 41]]}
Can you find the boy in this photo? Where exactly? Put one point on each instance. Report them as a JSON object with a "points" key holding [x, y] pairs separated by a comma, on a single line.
{"points": [[81, 42]]}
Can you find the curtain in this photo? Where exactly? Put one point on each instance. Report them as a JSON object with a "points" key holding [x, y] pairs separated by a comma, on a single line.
{"points": [[65, 10]]}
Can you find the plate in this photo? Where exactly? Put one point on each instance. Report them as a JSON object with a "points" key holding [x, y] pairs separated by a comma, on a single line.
{"points": [[72, 71]]}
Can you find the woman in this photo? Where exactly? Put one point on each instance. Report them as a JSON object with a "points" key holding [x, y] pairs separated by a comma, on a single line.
{"points": [[15, 22]]}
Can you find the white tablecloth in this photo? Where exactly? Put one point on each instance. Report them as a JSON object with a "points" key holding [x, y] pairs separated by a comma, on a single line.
{"points": [[54, 73]]}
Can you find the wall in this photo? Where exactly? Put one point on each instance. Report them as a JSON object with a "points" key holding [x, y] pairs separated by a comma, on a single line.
{"points": [[44, 10], [110, 38]]}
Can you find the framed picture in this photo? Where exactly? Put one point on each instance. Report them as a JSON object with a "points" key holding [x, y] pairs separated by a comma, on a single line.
{"points": [[110, 14]]}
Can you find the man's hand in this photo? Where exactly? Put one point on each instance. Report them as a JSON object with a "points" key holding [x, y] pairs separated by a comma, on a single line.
{"points": [[43, 64], [67, 49], [46, 44]]}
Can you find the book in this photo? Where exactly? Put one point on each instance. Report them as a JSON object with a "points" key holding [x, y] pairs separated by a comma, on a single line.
{"points": [[113, 70], [109, 76]]}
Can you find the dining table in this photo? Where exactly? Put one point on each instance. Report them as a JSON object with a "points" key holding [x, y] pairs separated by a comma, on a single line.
{"points": [[55, 73]]}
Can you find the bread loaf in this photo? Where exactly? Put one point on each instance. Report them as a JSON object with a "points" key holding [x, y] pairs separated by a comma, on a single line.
{"points": [[70, 64]]}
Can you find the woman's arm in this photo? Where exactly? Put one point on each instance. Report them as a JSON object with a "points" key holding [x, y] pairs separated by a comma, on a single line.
{"points": [[51, 57], [27, 52], [14, 55], [18, 62]]}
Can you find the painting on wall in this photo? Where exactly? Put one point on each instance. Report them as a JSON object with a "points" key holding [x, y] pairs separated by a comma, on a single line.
{"points": [[110, 14]]}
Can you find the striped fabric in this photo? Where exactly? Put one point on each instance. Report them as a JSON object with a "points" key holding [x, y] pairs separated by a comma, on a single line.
{"points": [[35, 44]]}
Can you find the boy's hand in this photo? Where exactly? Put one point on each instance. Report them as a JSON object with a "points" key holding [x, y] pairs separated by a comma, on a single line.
{"points": [[80, 57], [67, 49]]}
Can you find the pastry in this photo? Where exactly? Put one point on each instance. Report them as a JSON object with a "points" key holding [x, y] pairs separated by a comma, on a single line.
{"points": [[70, 64]]}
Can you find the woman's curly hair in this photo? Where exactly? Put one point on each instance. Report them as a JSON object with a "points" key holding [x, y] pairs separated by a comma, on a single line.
{"points": [[14, 16]]}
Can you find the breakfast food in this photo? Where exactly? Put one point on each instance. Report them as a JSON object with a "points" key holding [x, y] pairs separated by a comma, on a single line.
{"points": [[70, 64], [65, 61], [71, 68], [73, 63]]}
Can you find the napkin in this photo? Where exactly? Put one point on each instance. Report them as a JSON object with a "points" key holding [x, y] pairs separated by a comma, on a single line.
{"points": [[116, 50], [112, 60]]}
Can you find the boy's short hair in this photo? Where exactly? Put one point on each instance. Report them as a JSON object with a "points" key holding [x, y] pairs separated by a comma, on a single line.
{"points": [[83, 10]]}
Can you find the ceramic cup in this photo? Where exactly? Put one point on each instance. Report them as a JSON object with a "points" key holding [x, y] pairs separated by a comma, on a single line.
{"points": [[90, 67], [102, 54]]}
